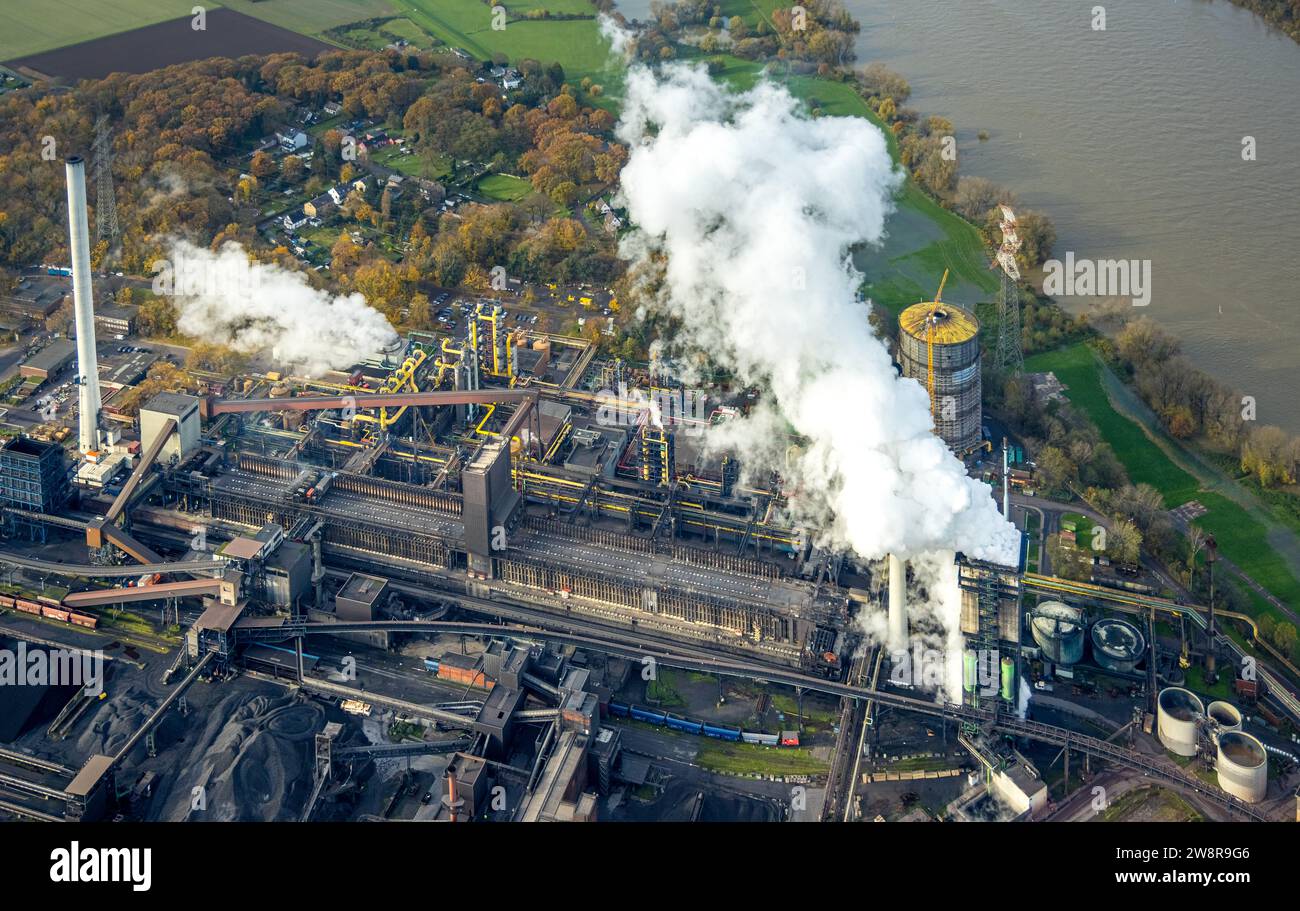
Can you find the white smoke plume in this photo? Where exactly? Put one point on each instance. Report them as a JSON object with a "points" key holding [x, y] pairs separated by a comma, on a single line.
{"points": [[225, 297], [754, 207], [748, 209]]}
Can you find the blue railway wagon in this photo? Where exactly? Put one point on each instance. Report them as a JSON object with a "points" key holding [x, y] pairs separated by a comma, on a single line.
{"points": [[768, 740], [721, 733], [641, 714], [618, 708], [684, 724], [431, 665]]}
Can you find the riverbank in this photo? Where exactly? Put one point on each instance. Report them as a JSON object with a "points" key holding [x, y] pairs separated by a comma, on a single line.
{"points": [[1249, 533]]}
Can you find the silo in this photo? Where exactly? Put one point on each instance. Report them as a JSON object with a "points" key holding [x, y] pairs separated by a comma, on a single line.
{"points": [[1117, 645], [1058, 628], [1242, 766], [1225, 716], [1178, 713], [1008, 688], [957, 385]]}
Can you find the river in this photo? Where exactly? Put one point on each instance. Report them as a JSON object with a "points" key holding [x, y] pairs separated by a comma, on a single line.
{"points": [[1130, 139]]}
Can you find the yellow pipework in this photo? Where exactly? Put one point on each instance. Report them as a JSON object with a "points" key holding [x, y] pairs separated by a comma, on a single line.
{"points": [[479, 429]]}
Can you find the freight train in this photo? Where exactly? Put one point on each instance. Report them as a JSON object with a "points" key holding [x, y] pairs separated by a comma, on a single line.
{"points": [[45, 606], [700, 728]]}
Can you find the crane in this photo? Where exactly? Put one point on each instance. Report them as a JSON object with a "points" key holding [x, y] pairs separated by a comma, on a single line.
{"points": [[930, 322]]}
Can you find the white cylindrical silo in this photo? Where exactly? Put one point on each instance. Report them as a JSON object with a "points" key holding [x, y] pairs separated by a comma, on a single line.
{"points": [[89, 402], [1242, 765], [1178, 716], [1225, 716]]}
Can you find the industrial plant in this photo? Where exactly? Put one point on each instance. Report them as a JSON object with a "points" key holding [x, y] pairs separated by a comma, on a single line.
{"points": [[487, 575]]}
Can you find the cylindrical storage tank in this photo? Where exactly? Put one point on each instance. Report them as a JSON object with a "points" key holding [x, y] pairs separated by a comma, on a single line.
{"points": [[957, 383], [1058, 629], [1117, 645], [1178, 713], [1242, 766], [1225, 716], [1008, 689], [969, 670]]}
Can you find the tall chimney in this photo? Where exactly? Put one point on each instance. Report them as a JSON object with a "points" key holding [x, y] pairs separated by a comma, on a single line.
{"points": [[1006, 481], [84, 307], [897, 604]]}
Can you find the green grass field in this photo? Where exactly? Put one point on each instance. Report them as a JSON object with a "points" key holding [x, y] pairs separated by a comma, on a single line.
{"points": [[378, 37], [467, 24], [310, 17], [413, 165], [30, 27], [752, 759], [1242, 538], [504, 187]]}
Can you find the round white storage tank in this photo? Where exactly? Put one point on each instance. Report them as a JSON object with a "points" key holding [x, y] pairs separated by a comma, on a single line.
{"points": [[1177, 713], [1225, 716], [1058, 630], [1242, 766], [1117, 645]]}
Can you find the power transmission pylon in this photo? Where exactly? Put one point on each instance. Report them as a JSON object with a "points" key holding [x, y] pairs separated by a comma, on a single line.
{"points": [[105, 201], [1010, 356]]}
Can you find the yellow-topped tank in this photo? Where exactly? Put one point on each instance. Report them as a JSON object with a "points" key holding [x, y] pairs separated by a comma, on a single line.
{"points": [[954, 334], [953, 325]]}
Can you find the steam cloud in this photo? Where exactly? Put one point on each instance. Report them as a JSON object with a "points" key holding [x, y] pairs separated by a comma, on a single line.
{"points": [[224, 297], [746, 211]]}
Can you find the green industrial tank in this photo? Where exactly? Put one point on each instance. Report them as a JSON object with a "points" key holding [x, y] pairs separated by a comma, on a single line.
{"points": [[1008, 680], [969, 671]]}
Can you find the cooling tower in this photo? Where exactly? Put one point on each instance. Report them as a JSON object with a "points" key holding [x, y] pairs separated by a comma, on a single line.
{"points": [[957, 383], [84, 307]]}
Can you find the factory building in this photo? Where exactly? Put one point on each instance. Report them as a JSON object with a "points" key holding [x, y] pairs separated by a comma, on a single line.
{"points": [[49, 360], [171, 406], [947, 337], [359, 599], [33, 478], [115, 320]]}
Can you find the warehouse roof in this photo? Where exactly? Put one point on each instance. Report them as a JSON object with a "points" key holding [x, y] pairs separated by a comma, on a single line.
{"points": [[173, 404], [52, 356]]}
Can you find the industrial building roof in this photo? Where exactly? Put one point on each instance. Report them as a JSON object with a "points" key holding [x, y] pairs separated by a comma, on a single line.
{"points": [[90, 774], [173, 404], [52, 356], [242, 548], [362, 588], [128, 371], [952, 324], [219, 617]]}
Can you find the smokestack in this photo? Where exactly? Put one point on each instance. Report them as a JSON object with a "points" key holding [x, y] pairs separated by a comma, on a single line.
{"points": [[454, 802], [897, 604], [84, 307], [1006, 481]]}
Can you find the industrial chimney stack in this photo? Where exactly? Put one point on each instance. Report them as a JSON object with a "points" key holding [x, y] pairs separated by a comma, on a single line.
{"points": [[87, 361], [897, 604]]}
